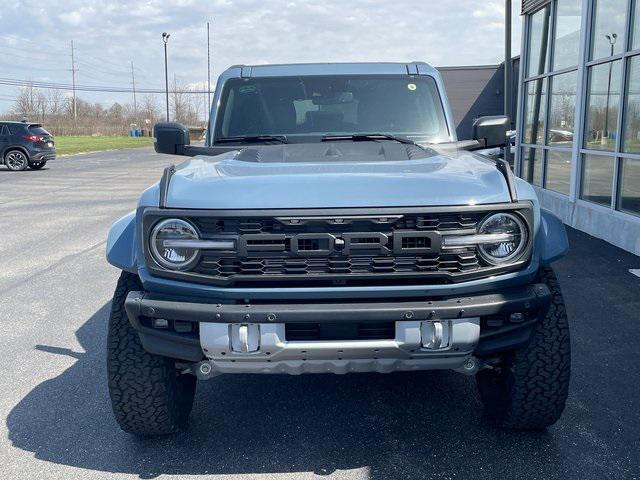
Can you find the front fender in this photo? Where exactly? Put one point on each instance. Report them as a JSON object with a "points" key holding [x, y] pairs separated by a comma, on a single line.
{"points": [[121, 246], [555, 243]]}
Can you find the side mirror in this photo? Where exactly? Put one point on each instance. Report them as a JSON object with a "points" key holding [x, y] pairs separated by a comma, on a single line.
{"points": [[170, 138], [491, 130]]}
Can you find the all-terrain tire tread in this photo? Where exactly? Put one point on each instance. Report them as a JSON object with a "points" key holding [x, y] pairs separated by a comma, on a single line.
{"points": [[147, 395], [536, 385]]}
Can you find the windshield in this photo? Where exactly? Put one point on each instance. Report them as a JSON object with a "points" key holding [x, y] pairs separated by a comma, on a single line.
{"points": [[315, 106]]}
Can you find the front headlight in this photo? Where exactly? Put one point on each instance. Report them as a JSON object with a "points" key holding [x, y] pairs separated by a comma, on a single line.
{"points": [[169, 243], [510, 235]]}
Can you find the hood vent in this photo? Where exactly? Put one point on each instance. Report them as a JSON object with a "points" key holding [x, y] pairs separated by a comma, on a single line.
{"points": [[333, 152]]}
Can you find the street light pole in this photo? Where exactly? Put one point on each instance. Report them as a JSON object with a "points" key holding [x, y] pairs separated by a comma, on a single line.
{"points": [[208, 72], [165, 39], [612, 41], [507, 74]]}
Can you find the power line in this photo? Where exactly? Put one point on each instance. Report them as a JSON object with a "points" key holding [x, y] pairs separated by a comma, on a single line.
{"points": [[49, 57], [88, 88], [84, 67], [99, 73], [13, 98]]}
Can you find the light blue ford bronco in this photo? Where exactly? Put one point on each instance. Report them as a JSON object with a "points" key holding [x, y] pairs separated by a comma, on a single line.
{"points": [[333, 223]]}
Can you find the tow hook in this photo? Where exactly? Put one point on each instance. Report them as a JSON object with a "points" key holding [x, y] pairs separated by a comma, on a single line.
{"points": [[203, 370], [470, 366]]}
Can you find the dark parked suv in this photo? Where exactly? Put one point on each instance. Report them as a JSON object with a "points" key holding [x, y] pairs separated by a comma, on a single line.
{"points": [[24, 144]]}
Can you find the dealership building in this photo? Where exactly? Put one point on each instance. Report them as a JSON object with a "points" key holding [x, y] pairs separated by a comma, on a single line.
{"points": [[578, 113]]}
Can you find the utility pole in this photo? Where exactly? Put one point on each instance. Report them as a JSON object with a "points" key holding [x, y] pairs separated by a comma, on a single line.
{"points": [[73, 79], [165, 39], [208, 74], [135, 104]]}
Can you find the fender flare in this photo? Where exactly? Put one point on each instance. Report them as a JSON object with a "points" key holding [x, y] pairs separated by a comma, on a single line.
{"points": [[121, 243], [554, 244]]}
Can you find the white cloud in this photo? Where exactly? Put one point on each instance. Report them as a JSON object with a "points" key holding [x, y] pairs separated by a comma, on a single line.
{"points": [[489, 10], [78, 17]]}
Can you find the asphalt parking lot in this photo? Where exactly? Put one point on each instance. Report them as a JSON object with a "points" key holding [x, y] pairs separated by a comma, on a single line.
{"points": [[55, 288]]}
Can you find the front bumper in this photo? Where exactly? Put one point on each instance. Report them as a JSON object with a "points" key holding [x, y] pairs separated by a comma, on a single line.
{"points": [[479, 326]]}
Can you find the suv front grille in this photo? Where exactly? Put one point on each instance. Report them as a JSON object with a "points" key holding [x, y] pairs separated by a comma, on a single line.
{"points": [[210, 264], [333, 249]]}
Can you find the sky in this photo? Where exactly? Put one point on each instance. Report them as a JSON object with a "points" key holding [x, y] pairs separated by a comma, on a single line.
{"points": [[35, 37]]}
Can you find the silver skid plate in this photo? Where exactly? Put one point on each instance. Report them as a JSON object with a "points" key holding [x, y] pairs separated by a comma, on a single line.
{"points": [[263, 348]]}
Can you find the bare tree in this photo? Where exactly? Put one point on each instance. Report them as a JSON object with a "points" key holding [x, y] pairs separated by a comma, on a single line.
{"points": [[196, 107], [55, 101], [179, 101], [149, 109], [54, 109], [116, 111], [26, 102]]}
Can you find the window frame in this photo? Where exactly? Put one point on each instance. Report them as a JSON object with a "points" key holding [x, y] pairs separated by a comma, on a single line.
{"points": [[554, 12], [586, 97], [620, 184], [589, 44], [579, 149], [617, 152], [550, 40], [548, 75]]}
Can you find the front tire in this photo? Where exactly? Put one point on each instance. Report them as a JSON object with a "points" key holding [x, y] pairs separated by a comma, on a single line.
{"points": [[529, 389], [148, 395], [16, 160], [37, 165]]}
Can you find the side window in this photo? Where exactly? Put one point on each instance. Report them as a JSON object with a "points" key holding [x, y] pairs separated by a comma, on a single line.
{"points": [[4, 131], [14, 129], [226, 119]]}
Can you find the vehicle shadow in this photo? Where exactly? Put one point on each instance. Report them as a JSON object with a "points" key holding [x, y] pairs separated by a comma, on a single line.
{"points": [[406, 425], [4, 169]]}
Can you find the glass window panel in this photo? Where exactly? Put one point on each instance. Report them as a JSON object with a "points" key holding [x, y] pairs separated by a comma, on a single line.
{"points": [[532, 165], [562, 109], [635, 27], [630, 190], [538, 53], [632, 108], [524, 162], [602, 106], [567, 36], [535, 111], [597, 179], [558, 170], [609, 27]]}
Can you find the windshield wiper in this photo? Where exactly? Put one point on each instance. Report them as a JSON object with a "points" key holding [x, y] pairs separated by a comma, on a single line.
{"points": [[253, 139], [364, 137]]}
